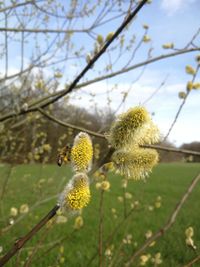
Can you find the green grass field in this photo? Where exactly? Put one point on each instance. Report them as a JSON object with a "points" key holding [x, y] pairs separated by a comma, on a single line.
{"points": [[32, 184]]}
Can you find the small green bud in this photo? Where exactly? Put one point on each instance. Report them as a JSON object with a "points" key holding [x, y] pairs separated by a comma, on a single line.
{"points": [[109, 36], [189, 86], [146, 39], [145, 26], [168, 46], [189, 69], [196, 86], [182, 95], [100, 39]]}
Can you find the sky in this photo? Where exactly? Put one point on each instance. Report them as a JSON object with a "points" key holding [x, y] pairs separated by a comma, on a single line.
{"points": [[170, 21]]}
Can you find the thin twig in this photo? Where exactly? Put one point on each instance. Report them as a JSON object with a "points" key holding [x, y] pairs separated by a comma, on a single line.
{"points": [[20, 30], [68, 125], [180, 107], [169, 223], [22, 241], [100, 241], [36, 247], [173, 149], [3, 191], [54, 245], [124, 202], [189, 264], [156, 91], [16, 5], [110, 237], [21, 217], [158, 147]]}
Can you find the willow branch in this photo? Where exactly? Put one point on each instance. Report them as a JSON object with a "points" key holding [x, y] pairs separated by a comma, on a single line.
{"points": [[169, 223], [173, 149], [181, 106], [22, 241], [68, 125]]}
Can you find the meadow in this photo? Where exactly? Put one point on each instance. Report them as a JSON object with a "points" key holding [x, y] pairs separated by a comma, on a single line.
{"points": [[128, 216]]}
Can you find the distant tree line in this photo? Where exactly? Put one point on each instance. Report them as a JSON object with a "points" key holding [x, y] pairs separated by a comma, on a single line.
{"points": [[34, 138]]}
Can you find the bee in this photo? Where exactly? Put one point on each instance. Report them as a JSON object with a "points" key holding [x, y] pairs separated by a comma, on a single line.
{"points": [[64, 155]]}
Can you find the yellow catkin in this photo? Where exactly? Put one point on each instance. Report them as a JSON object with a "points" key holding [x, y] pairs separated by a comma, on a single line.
{"points": [[196, 86], [105, 185], [135, 164], [189, 86], [190, 70], [147, 134], [82, 153], [168, 46], [76, 194], [189, 232], [79, 196], [78, 222], [146, 39], [123, 130]]}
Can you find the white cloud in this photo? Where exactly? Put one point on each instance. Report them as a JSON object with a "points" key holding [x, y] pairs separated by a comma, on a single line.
{"points": [[172, 6]]}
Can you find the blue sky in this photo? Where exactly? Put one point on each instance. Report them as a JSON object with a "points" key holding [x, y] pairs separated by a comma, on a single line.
{"points": [[170, 21]]}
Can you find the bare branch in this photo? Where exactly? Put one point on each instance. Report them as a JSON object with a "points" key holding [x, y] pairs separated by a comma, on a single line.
{"points": [[169, 223], [16, 5], [68, 125], [189, 264], [173, 149], [22, 241]]}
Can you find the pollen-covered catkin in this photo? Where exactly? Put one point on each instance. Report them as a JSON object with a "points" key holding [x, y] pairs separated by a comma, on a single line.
{"points": [[123, 130], [76, 194], [82, 153], [147, 134], [135, 164]]}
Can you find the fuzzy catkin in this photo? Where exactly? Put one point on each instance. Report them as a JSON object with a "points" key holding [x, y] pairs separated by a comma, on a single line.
{"points": [[135, 164], [76, 194], [123, 130], [82, 153]]}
